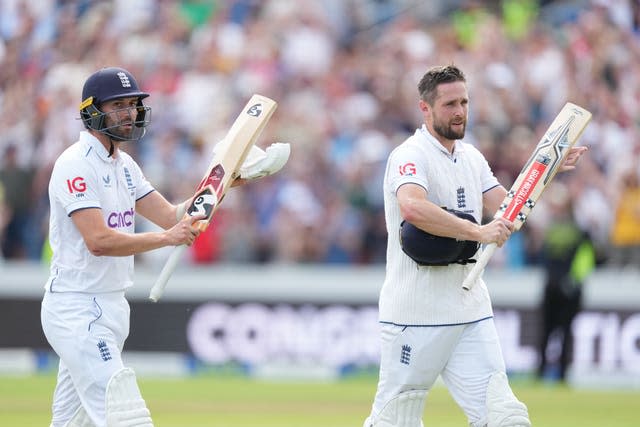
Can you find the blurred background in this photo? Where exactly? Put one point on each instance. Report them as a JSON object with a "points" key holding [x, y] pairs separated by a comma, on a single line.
{"points": [[285, 281]]}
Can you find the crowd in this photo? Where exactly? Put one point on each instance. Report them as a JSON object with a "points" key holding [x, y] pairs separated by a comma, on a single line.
{"points": [[343, 73]]}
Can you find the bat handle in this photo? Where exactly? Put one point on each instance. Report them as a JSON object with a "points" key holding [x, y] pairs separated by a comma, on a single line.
{"points": [[479, 266], [158, 288]]}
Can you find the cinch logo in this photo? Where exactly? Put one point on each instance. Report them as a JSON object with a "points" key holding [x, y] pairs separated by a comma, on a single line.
{"points": [[408, 169], [120, 219], [76, 184]]}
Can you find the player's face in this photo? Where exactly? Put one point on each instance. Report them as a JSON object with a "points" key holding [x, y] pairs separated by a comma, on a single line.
{"points": [[449, 112], [120, 116]]}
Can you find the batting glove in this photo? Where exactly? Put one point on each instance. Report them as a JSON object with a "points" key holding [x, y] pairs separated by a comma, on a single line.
{"points": [[260, 163]]}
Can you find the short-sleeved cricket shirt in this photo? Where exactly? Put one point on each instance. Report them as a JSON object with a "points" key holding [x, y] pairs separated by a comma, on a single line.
{"points": [[84, 177], [421, 295]]}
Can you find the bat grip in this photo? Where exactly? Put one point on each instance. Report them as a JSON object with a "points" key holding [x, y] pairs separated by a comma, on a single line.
{"points": [[479, 266], [158, 288]]}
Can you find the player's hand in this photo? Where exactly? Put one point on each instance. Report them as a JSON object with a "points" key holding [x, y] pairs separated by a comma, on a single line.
{"points": [[497, 231], [572, 158], [185, 231]]}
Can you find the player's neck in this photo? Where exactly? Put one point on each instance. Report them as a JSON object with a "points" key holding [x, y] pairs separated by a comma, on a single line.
{"points": [[114, 149], [448, 144], [111, 145]]}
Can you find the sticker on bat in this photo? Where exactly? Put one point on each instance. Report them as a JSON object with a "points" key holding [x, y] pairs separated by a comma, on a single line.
{"points": [[214, 178], [255, 110], [524, 191], [543, 158], [203, 203]]}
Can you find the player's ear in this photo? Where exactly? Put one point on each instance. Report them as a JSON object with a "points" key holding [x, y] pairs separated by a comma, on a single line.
{"points": [[424, 106]]}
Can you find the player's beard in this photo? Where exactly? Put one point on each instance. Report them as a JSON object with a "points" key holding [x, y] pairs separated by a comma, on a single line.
{"points": [[117, 129], [446, 131]]}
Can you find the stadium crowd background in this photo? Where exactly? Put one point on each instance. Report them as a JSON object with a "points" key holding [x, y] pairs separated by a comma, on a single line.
{"points": [[344, 73]]}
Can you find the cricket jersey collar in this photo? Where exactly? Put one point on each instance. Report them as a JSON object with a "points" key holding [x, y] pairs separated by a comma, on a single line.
{"points": [[458, 147], [92, 144]]}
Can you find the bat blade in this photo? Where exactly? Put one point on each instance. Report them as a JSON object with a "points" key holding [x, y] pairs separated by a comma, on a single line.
{"points": [[222, 171], [538, 171]]}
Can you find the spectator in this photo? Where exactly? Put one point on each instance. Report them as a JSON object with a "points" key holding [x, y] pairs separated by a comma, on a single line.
{"points": [[16, 181], [569, 257], [625, 234], [340, 70], [4, 216]]}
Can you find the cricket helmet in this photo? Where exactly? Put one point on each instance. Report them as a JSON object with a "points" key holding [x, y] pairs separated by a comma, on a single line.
{"points": [[428, 249], [108, 84]]}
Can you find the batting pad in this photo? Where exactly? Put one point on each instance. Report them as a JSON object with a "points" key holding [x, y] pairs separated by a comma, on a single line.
{"points": [[504, 409], [80, 419], [125, 406], [404, 410]]}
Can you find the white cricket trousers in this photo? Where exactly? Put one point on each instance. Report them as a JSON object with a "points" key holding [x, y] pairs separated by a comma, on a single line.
{"points": [[87, 331], [464, 356]]}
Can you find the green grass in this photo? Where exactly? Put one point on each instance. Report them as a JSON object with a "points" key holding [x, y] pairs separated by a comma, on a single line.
{"points": [[227, 401]]}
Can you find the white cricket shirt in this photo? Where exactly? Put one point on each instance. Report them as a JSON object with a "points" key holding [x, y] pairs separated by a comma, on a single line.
{"points": [[415, 295], [84, 176]]}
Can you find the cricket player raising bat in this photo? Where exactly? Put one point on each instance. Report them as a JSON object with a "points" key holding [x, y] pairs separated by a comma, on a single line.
{"points": [[436, 191], [95, 192], [227, 164]]}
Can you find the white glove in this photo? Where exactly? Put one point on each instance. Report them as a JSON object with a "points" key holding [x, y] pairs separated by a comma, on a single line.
{"points": [[260, 163]]}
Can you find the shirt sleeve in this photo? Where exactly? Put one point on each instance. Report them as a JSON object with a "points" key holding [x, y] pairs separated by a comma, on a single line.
{"points": [[74, 186], [406, 165]]}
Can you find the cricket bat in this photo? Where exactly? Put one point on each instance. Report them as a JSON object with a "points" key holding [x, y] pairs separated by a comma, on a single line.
{"points": [[223, 170], [538, 171]]}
